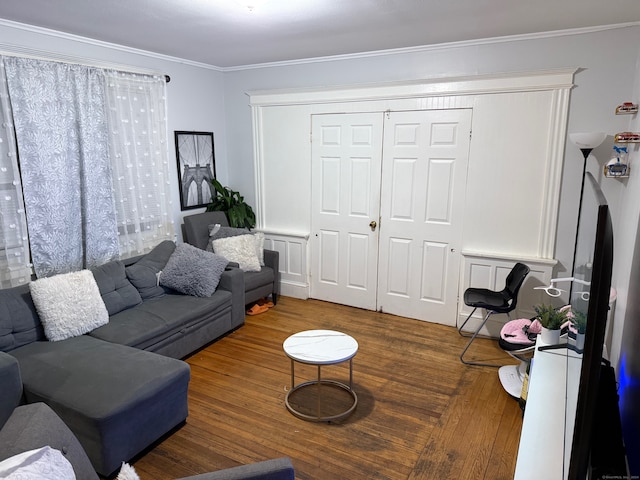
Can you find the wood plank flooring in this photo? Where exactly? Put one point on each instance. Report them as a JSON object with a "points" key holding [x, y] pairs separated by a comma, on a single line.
{"points": [[421, 413]]}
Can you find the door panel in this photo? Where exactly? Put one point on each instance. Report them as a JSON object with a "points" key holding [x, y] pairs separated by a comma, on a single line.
{"points": [[345, 196], [423, 183], [409, 175]]}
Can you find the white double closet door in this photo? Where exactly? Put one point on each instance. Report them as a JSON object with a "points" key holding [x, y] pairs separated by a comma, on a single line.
{"points": [[387, 205]]}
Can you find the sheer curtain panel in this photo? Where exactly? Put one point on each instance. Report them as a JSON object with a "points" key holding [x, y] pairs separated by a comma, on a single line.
{"points": [[61, 131], [140, 161], [14, 245]]}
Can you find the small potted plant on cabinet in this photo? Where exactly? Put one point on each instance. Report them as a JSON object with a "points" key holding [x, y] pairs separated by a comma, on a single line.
{"points": [[551, 320], [579, 322]]}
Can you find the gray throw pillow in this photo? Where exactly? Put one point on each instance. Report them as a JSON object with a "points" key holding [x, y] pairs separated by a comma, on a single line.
{"points": [[193, 271], [217, 231], [117, 292], [144, 273]]}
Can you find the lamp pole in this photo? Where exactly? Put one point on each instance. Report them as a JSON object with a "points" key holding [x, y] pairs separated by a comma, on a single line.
{"points": [[585, 152], [586, 142]]}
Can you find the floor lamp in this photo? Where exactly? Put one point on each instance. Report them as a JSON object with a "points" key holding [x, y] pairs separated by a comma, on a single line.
{"points": [[586, 142], [511, 376]]}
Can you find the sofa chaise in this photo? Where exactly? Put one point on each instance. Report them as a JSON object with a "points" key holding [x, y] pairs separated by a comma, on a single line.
{"points": [[259, 284], [121, 386], [27, 427]]}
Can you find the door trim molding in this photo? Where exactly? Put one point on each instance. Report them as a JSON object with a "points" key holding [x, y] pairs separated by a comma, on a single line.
{"points": [[470, 85]]}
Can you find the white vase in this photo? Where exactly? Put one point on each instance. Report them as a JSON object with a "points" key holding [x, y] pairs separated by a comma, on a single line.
{"points": [[550, 337], [580, 341]]}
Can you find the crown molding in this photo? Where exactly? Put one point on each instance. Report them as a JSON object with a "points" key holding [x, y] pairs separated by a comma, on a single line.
{"points": [[26, 51], [15, 49], [439, 46]]}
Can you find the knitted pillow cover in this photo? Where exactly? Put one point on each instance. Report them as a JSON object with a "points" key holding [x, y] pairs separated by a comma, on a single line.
{"points": [[68, 304]]}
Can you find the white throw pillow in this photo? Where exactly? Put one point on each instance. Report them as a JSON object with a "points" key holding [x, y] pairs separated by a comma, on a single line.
{"points": [[127, 472], [68, 304], [240, 249], [259, 238], [44, 463]]}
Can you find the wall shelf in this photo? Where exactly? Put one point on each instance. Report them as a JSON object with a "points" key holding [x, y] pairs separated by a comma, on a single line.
{"points": [[627, 137], [627, 108]]}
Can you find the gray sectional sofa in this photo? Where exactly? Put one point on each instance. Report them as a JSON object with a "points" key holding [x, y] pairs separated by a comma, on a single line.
{"points": [[27, 427], [121, 386]]}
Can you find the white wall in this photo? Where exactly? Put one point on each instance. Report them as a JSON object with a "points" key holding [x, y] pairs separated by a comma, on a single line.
{"points": [[607, 77], [605, 80], [626, 231], [195, 95]]}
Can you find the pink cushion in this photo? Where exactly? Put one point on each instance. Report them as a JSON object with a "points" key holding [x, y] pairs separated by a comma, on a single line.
{"points": [[515, 331]]}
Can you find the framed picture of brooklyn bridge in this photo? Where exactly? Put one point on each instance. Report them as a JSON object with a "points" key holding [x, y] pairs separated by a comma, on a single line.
{"points": [[196, 168]]}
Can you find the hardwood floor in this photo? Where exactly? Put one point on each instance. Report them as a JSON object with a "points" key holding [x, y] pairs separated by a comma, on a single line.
{"points": [[421, 413]]}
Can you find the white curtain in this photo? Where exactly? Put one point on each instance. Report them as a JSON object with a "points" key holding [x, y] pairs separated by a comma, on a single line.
{"points": [[138, 144], [14, 246], [61, 130]]}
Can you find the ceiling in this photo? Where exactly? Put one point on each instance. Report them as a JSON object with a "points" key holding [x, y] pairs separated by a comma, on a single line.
{"points": [[224, 34]]}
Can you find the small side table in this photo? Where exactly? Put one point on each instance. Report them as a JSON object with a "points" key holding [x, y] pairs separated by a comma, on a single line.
{"points": [[321, 347]]}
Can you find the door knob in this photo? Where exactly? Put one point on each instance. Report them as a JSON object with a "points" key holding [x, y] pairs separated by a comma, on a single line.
{"points": [[373, 225]]}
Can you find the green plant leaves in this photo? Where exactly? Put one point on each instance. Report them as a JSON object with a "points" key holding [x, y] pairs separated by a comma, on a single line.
{"points": [[238, 212], [550, 317]]}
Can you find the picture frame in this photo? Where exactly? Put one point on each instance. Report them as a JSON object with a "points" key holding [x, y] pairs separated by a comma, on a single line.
{"points": [[195, 157]]}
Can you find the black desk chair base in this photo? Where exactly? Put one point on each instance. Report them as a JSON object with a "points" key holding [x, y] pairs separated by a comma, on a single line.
{"points": [[474, 336]]}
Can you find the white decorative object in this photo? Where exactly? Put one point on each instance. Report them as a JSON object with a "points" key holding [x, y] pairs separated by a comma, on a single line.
{"points": [[44, 463], [240, 249], [580, 341], [127, 472], [259, 239], [68, 304], [550, 337]]}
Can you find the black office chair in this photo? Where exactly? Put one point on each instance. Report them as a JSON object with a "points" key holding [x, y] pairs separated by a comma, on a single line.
{"points": [[503, 301]]}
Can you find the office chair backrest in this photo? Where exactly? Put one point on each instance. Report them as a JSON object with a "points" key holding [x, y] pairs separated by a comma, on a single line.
{"points": [[515, 279]]}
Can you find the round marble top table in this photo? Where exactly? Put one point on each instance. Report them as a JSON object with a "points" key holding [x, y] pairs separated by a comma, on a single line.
{"points": [[320, 347]]}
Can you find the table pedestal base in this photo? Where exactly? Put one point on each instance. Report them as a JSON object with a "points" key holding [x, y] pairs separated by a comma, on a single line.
{"points": [[321, 400]]}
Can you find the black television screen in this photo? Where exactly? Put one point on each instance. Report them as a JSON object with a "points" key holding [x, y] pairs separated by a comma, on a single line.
{"points": [[590, 295]]}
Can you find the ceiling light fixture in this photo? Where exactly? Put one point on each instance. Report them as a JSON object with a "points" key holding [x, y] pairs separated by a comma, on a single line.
{"points": [[251, 4]]}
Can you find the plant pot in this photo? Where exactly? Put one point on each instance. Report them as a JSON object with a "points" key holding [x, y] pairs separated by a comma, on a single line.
{"points": [[580, 341], [550, 337]]}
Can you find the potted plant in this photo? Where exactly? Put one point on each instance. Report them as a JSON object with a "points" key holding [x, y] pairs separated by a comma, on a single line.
{"points": [[551, 320], [238, 212], [579, 321]]}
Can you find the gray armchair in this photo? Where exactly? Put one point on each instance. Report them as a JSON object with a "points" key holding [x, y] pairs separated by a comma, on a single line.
{"points": [[27, 427], [257, 284]]}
